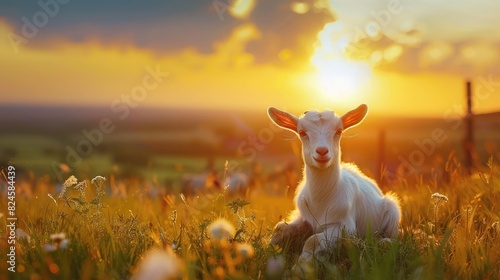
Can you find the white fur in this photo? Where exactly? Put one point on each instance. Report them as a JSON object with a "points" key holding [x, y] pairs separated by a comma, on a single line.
{"points": [[335, 196]]}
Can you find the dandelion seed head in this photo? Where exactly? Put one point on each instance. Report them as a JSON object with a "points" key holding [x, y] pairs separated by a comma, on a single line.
{"points": [[245, 250], [158, 264], [221, 229]]}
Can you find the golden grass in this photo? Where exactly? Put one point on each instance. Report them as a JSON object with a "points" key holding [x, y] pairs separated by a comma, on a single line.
{"points": [[108, 236]]}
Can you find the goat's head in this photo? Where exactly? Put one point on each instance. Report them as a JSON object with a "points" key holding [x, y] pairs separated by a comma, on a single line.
{"points": [[320, 132]]}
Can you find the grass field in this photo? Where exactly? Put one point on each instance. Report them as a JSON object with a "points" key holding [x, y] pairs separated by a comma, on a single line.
{"points": [[106, 237]]}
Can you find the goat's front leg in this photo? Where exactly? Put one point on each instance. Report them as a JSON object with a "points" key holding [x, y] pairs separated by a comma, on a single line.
{"points": [[291, 235]]}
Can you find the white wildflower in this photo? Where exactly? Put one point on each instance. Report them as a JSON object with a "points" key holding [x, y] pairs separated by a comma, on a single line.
{"points": [[57, 237], [439, 197], [70, 181], [221, 229], [67, 184], [59, 241], [98, 180], [275, 267]]}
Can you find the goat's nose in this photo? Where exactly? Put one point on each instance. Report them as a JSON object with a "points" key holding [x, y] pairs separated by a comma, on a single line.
{"points": [[322, 151]]}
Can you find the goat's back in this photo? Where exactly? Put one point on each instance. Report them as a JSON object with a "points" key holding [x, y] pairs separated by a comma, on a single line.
{"points": [[368, 199]]}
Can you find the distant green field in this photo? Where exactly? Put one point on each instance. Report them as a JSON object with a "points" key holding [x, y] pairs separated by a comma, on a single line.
{"points": [[42, 155]]}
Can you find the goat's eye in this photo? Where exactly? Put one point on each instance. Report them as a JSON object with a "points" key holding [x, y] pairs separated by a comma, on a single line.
{"points": [[339, 132], [302, 133]]}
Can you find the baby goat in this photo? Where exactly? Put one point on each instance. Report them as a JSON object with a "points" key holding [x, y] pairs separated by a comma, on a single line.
{"points": [[333, 196]]}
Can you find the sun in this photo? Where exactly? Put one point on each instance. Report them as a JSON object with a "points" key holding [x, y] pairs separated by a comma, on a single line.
{"points": [[342, 80], [337, 77]]}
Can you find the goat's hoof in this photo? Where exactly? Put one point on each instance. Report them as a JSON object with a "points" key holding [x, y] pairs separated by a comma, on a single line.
{"points": [[281, 226], [291, 236]]}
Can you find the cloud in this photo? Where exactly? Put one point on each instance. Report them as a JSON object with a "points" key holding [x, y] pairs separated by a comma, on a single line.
{"points": [[163, 27], [460, 37], [90, 73], [242, 8], [156, 26]]}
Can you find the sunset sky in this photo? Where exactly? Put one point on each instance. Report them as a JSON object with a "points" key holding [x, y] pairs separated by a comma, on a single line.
{"points": [[400, 57]]}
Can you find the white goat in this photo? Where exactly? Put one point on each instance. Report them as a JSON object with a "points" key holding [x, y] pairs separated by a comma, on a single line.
{"points": [[333, 196]]}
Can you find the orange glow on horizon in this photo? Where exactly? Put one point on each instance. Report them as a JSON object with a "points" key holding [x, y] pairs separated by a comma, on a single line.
{"points": [[229, 77]]}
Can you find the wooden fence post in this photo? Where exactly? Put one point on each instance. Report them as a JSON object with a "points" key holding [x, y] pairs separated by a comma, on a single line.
{"points": [[469, 131], [381, 157]]}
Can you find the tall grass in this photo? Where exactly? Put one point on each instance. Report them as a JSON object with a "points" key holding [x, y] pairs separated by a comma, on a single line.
{"points": [[107, 237]]}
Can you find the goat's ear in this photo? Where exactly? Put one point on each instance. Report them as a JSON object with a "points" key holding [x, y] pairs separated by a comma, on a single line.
{"points": [[354, 117], [283, 119]]}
